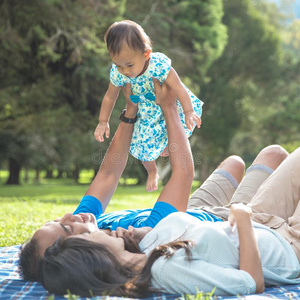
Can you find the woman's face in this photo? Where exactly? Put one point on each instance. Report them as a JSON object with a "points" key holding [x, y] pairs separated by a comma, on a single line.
{"points": [[114, 243], [131, 257]]}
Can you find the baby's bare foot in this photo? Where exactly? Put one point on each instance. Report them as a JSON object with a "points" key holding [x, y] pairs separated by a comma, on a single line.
{"points": [[152, 182], [165, 153]]}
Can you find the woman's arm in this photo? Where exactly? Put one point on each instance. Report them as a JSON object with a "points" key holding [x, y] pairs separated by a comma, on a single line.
{"points": [[176, 85], [107, 106], [114, 162], [249, 253], [176, 192]]}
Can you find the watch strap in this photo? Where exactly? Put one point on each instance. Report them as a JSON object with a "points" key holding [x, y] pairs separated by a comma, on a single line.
{"points": [[125, 119]]}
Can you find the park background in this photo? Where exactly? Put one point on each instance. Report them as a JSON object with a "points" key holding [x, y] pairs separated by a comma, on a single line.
{"points": [[241, 57]]}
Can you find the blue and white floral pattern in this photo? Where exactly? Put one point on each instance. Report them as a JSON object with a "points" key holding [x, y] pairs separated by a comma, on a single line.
{"points": [[149, 136]]}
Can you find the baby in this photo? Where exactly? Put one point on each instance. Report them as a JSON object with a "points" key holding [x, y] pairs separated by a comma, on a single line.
{"points": [[134, 62]]}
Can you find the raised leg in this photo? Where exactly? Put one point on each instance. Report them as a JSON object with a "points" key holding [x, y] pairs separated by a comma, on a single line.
{"points": [[267, 160], [276, 204], [278, 196], [219, 187]]}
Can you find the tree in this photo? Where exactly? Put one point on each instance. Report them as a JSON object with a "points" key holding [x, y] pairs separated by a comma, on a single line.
{"points": [[191, 33], [52, 54], [250, 62], [273, 114]]}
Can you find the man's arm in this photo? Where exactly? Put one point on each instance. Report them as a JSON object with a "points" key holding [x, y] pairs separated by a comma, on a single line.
{"points": [[176, 192], [114, 162]]}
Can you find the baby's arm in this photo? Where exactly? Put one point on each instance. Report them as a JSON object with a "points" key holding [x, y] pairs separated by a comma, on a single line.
{"points": [[107, 106], [175, 83]]}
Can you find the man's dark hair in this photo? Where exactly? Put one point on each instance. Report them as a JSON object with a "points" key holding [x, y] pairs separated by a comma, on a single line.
{"points": [[30, 260]]}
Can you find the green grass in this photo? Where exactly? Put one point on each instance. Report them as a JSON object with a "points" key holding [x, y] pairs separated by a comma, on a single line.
{"points": [[24, 208]]}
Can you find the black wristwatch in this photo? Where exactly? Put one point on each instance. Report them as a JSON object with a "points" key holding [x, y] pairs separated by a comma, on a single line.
{"points": [[125, 119]]}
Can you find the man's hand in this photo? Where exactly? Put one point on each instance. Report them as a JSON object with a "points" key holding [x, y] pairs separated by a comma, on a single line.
{"points": [[164, 96], [101, 129], [190, 118], [131, 108]]}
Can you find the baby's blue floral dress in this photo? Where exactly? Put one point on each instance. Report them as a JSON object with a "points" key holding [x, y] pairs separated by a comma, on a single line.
{"points": [[150, 136]]}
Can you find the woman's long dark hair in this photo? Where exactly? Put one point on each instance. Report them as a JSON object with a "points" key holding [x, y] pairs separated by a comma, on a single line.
{"points": [[88, 269]]}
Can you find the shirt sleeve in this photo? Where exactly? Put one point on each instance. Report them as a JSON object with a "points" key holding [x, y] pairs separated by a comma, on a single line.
{"points": [[162, 66], [179, 276], [89, 204], [160, 210], [116, 78]]}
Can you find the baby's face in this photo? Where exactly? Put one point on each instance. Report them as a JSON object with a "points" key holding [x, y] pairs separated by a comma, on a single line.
{"points": [[130, 63]]}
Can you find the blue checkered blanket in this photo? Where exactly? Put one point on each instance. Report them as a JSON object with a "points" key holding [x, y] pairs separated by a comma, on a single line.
{"points": [[13, 287]]}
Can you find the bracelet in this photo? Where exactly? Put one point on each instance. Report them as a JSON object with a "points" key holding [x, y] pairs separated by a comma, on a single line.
{"points": [[125, 119]]}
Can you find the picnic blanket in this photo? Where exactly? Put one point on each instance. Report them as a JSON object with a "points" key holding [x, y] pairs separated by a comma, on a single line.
{"points": [[13, 287]]}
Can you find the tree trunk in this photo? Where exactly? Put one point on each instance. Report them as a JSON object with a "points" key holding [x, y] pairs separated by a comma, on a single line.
{"points": [[49, 173], [60, 174], [26, 176], [14, 172], [37, 175], [76, 174]]}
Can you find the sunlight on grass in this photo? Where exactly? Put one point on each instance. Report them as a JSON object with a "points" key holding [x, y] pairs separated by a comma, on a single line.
{"points": [[199, 296], [24, 208]]}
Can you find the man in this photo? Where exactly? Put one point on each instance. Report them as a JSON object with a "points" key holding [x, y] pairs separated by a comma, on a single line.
{"points": [[217, 190]]}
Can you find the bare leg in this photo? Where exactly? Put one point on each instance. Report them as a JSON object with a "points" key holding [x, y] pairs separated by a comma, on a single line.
{"points": [[152, 181], [217, 193], [267, 160], [235, 166], [219, 187]]}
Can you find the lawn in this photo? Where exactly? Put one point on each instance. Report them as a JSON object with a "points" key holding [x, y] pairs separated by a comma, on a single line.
{"points": [[24, 208]]}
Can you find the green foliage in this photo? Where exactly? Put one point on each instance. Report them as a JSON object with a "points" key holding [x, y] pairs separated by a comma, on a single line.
{"points": [[191, 33], [200, 296], [271, 112], [240, 57], [52, 78], [248, 66], [55, 72]]}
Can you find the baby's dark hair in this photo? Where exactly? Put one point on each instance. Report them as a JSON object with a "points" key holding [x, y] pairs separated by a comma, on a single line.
{"points": [[128, 33]]}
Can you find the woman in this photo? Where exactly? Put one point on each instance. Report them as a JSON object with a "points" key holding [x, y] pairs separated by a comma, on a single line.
{"points": [[180, 255]]}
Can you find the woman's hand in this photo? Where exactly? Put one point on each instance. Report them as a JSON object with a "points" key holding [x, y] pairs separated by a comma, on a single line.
{"points": [[239, 212], [250, 262]]}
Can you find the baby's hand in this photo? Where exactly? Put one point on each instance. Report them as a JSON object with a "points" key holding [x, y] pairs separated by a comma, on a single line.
{"points": [[190, 118], [102, 128]]}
